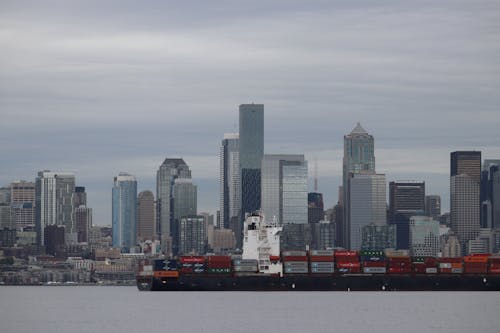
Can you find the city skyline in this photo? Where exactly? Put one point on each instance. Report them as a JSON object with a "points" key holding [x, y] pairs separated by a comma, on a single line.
{"points": [[97, 93]]}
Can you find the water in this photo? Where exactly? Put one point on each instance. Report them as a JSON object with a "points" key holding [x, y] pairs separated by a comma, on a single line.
{"points": [[125, 309]]}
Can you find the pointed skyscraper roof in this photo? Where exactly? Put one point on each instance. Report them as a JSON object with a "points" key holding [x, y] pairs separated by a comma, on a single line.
{"points": [[358, 129]]}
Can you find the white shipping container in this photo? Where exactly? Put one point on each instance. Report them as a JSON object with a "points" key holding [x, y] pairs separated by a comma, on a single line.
{"points": [[444, 265], [374, 270], [431, 270]]}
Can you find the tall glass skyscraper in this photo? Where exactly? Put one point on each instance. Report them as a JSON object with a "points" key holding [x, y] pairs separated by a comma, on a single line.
{"points": [[358, 156], [124, 213], [170, 170], [284, 188], [53, 202], [230, 189], [251, 130]]}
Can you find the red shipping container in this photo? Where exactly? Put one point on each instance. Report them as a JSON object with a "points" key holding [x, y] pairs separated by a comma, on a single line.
{"points": [[295, 258], [450, 260], [192, 260], [374, 264], [349, 267], [474, 267], [346, 253], [321, 258]]}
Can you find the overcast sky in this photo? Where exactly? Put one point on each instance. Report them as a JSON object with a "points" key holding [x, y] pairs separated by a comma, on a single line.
{"points": [[99, 87]]}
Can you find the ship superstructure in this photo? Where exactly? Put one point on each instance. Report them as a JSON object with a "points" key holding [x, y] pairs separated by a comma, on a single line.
{"points": [[261, 241]]}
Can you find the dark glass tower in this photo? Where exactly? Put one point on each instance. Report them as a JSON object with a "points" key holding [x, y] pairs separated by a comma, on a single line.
{"points": [[251, 153]]}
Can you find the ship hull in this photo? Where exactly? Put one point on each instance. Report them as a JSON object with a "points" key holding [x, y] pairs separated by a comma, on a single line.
{"points": [[347, 282]]}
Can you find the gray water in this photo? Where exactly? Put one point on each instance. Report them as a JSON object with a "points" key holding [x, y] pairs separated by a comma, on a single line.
{"points": [[125, 309]]}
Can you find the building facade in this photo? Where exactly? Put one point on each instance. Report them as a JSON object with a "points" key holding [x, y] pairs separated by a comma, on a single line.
{"points": [[358, 156], [146, 222], [230, 188], [251, 151], [378, 237], [124, 212], [192, 235], [315, 207], [367, 197], [424, 236], [433, 206], [406, 199], [465, 179]]}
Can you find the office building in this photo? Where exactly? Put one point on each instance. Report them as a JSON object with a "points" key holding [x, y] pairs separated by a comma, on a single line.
{"points": [[54, 239], [490, 194], [315, 212], [323, 235], [378, 237], [433, 206], [83, 222], [358, 156], [367, 202], [424, 236], [184, 204], [23, 203], [230, 189], [124, 212], [406, 199], [192, 235], [54, 202], [251, 151], [170, 170], [465, 178], [146, 226]]}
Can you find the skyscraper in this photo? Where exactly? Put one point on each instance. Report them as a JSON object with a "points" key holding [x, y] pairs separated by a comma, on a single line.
{"points": [[490, 194], [315, 207], [406, 199], [184, 204], [230, 189], [424, 236], [83, 222], [124, 211], [169, 171], [284, 188], [23, 203], [146, 226], [465, 178], [251, 151], [53, 202], [358, 156], [367, 197], [192, 235], [433, 206]]}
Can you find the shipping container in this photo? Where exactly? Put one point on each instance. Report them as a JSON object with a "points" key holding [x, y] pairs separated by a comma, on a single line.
{"points": [[431, 270], [291, 270], [372, 258], [166, 274], [476, 259], [218, 270], [322, 253], [322, 258], [374, 270], [245, 268], [348, 267], [192, 259], [369, 253], [165, 265], [396, 253], [294, 254], [246, 262], [295, 258], [374, 264], [317, 270]]}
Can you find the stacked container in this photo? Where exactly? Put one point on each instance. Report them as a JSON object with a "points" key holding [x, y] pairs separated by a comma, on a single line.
{"points": [[477, 263], [295, 262], [373, 262], [450, 265], [219, 264], [322, 261], [399, 265], [347, 261], [494, 267], [425, 265], [192, 264], [246, 265], [166, 268]]}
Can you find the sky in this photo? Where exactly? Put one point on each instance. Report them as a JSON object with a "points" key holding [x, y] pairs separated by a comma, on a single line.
{"points": [[100, 87]]}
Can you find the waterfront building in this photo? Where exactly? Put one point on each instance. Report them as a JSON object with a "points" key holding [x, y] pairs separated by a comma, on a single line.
{"points": [[367, 201], [284, 188], [465, 178], [146, 226], [192, 235], [54, 203], [358, 156], [424, 236], [315, 211], [406, 199], [124, 212], [170, 170], [378, 237], [230, 188], [433, 206], [251, 151]]}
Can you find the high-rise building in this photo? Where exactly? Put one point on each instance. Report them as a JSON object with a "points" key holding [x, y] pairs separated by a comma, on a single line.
{"points": [[490, 194], [192, 235], [323, 235], [170, 170], [358, 156], [83, 222], [124, 212], [284, 188], [424, 236], [367, 197], [315, 206], [54, 239], [146, 226], [184, 204], [465, 178], [433, 206], [23, 204], [378, 237], [54, 203], [80, 196], [230, 189], [251, 151], [406, 199]]}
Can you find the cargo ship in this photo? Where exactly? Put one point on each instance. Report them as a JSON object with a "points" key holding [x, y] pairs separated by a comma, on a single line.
{"points": [[262, 267]]}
